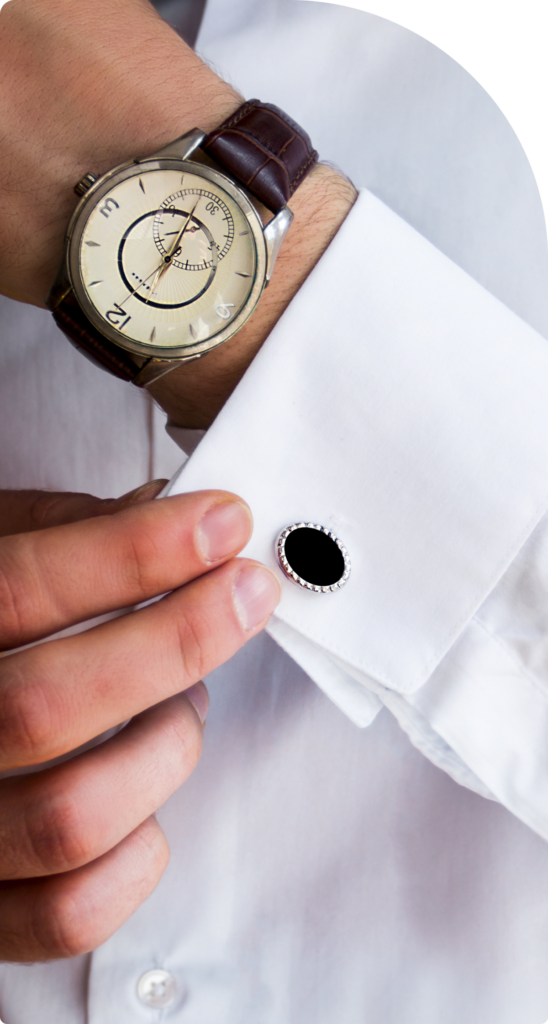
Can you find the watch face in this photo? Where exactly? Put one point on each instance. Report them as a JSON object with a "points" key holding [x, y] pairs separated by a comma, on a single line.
{"points": [[167, 257]]}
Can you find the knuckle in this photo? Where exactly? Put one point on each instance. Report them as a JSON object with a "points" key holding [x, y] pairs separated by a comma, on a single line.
{"points": [[195, 641], [56, 834], [72, 918], [15, 600], [45, 508], [59, 927], [144, 563], [151, 850], [186, 740], [26, 719]]}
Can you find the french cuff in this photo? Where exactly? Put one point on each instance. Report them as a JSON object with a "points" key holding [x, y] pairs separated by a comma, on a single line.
{"points": [[403, 407]]}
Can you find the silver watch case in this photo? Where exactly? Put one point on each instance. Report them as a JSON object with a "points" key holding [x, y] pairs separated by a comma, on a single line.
{"points": [[268, 240]]}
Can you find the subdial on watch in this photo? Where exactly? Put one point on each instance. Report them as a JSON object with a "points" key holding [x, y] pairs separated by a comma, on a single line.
{"points": [[211, 232]]}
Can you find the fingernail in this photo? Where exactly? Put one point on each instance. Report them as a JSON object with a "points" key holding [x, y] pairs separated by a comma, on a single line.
{"points": [[256, 594], [223, 530], [146, 492], [199, 698]]}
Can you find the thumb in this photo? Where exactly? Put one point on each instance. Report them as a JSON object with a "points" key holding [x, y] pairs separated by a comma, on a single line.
{"points": [[23, 511]]}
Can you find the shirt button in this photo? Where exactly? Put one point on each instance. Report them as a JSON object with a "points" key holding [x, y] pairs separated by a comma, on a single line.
{"points": [[157, 989]]}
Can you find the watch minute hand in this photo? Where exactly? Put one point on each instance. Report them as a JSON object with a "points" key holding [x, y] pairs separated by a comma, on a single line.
{"points": [[183, 229], [166, 262]]}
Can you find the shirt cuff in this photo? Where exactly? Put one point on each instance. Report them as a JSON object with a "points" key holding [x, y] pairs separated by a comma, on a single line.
{"points": [[404, 407]]}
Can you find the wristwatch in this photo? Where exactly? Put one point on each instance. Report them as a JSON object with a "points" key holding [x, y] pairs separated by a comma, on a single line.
{"points": [[166, 257]]}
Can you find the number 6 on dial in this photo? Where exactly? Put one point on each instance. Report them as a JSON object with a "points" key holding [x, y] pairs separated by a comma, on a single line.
{"points": [[224, 310]]}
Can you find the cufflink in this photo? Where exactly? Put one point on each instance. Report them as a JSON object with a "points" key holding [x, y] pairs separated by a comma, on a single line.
{"points": [[312, 557]]}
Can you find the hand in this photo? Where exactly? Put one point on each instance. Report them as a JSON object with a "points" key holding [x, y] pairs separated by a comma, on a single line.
{"points": [[80, 847], [87, 86]]}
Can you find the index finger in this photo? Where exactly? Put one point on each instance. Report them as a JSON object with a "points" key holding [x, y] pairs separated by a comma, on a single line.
{"points": [[54, 578]]}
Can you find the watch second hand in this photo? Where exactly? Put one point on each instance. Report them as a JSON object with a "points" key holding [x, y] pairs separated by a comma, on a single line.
{"points": [[166, 262]]}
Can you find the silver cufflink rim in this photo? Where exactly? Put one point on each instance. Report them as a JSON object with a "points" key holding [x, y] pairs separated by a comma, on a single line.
{"points": [[293, 576]]}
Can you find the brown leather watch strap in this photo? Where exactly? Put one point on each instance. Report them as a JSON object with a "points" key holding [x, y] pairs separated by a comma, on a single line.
{"points": [[91, 343], [265, 150]]}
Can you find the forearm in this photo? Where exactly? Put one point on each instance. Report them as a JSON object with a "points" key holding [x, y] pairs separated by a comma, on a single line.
{"points": [[84, 89]]}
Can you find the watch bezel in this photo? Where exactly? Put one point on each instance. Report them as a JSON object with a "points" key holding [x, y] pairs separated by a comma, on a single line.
{"points": [[77, 226]]}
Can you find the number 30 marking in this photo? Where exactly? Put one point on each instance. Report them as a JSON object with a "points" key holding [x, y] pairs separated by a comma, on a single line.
{"points": [[224, 310]]}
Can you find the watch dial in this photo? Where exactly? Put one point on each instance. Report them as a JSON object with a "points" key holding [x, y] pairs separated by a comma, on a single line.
{"points": [[167, 258]]}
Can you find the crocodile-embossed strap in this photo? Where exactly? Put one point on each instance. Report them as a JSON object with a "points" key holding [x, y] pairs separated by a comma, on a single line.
{"points": [[265, 150], [91, 343]]}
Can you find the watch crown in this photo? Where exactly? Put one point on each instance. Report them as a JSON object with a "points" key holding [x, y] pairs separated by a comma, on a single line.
{"points": [[84, 184]]}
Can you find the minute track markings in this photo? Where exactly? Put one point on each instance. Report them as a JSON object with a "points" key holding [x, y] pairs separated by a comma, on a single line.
{"points": [[213, 210], [196, 226]]}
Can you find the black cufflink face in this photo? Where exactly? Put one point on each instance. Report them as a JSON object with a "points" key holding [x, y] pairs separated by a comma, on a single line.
{"points": [[312, 557]]}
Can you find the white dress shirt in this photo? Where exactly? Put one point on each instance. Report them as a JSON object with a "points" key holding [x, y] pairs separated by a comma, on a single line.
{"points": [[322, 872]]}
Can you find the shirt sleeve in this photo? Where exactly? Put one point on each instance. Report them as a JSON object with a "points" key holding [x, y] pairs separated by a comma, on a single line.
{"points": [[404, 407]]}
